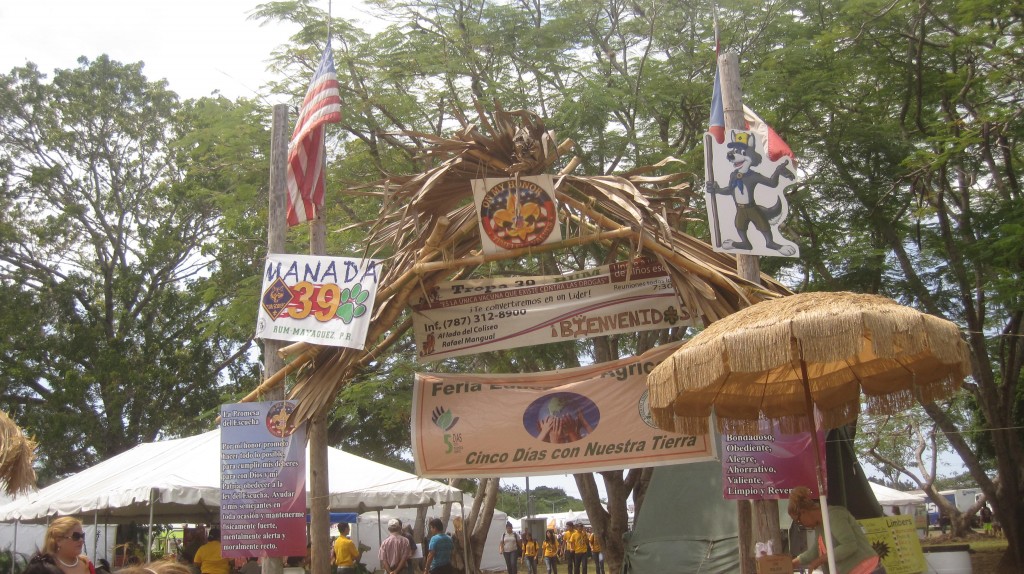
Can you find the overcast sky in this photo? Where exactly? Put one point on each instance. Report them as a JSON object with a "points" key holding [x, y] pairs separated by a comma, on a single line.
{"points": [[198, 46]]}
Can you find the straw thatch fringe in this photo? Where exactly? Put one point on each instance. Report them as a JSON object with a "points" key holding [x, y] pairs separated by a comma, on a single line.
{"points": [[755, 350], [17, 453]]}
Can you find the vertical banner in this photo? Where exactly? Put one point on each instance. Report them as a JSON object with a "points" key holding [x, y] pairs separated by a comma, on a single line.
{"points": [[895, 541], [262, 482], [317, 299], [575, 420], [769, 465], [516, 213]]}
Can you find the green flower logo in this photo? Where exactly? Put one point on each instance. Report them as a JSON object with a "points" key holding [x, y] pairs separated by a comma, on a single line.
{"points": [[352, 301]]}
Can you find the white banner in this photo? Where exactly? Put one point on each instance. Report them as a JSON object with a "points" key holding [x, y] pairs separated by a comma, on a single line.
{"points": [[317, 299], [473, 316]]}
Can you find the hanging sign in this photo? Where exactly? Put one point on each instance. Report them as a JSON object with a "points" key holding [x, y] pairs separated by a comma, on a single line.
{"points": [[574, 420], [473, 316], [316, 299], [262, 481], [768, 465], [895, 541], [745, 199], [516, 212]]}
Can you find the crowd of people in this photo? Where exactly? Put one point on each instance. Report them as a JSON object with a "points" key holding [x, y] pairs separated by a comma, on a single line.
{"points": [[201, 553], [576, 546]]}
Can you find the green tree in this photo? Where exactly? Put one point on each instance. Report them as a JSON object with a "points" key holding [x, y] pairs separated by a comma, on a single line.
{"points": [[908, 118], [105, 264]]}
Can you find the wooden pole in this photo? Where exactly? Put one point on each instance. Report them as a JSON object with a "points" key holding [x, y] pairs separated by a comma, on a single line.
{"points": [[276, 232], [319, 487], [758, 520]]}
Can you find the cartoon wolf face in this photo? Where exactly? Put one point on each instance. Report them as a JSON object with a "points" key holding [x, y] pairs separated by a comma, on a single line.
{"points": [[741, 152], [740, 160]]}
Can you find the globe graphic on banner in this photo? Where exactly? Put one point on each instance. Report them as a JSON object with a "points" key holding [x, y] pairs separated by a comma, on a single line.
{"points": [[562, 417], [555, 407]]}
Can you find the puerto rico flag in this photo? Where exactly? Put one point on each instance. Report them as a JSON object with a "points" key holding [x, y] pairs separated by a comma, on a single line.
{"points": [[775, 145]]}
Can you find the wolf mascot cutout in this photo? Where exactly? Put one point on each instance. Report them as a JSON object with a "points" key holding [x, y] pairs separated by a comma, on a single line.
{"points": [[742, 186]]}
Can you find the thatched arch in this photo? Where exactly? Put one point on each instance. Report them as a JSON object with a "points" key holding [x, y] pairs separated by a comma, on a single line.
{"points": [[427, 231]]}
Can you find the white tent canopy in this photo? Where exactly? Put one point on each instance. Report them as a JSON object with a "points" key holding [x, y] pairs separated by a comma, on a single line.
{"points": [[372, 531], [891, 497], [179, 481]]}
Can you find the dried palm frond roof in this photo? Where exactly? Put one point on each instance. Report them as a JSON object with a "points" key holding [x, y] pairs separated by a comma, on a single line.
{"points": [[17, 452], [427, 231]]}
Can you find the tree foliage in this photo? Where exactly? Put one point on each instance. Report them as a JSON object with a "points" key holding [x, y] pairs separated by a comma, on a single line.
{"points": [[106, 263]]}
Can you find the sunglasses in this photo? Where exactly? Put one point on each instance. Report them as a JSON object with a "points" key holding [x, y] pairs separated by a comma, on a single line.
{"points": [[76, 536]]}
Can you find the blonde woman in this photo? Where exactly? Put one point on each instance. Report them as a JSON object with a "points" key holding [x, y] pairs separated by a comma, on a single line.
{"points": [[158, 567], [65, 540], [853, 551]]}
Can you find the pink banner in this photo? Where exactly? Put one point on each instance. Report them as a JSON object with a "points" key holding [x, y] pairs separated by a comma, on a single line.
{"points": [[262, 482], [768, 465], [576, 420]]}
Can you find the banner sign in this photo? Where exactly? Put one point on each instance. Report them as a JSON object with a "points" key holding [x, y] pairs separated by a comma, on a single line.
{"points": [[895, 541], [745, 196], [322, 300], [473, 316], [575, 420], [262, 481], [517, 212], [768, 465]]}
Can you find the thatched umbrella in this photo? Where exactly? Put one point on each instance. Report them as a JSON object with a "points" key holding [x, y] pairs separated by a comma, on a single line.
{"points": [[779, 359], [16, 455]]}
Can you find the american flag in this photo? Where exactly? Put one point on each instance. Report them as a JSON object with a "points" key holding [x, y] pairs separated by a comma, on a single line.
{"points": [[774, 144], [305, 178]]}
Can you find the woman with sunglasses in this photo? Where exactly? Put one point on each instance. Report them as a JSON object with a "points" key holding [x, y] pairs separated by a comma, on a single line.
{"points": [[65, 540], [853, 551]]}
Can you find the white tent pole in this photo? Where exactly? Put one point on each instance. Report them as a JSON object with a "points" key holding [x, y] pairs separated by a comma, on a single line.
{"points": [[380, 539], [148, 537], [819, 473], [15, 547]]}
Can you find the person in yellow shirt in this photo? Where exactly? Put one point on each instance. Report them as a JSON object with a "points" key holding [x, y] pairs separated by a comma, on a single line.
{"points": [[551, 551], [580, 549], [595, 551], [568, 546], [530, 551], [345, 552], [208, 557]]}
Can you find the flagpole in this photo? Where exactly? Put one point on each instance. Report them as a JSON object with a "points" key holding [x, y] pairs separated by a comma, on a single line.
{"points": [[319, 493], [277, 229], [749, 268]]}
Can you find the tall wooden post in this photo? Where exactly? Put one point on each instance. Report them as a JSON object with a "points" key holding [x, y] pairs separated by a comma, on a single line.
{"points": [[276, 231], [764, 514], [319, 487]]}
